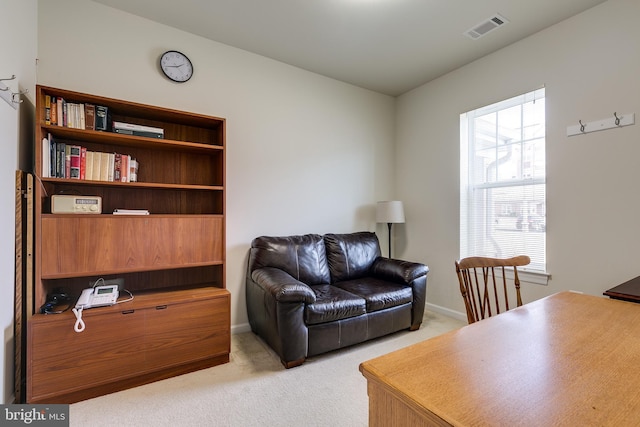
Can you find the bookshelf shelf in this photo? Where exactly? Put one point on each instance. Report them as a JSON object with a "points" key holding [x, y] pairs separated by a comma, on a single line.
{"points": [[172, 260], [133, 185]]}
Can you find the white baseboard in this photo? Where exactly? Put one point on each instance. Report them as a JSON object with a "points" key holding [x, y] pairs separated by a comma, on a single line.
{"points": [[242, 328], [447, 312]]}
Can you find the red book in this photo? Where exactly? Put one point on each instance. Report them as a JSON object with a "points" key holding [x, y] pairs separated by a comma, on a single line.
{"points": [[124, 168], [83, 162]]}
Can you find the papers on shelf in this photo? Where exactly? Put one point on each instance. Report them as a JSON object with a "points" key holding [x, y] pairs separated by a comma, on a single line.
{"points": [[131, 212]]}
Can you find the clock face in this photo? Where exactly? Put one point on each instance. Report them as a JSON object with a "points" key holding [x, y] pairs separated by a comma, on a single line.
{"points": [[176, 66]]}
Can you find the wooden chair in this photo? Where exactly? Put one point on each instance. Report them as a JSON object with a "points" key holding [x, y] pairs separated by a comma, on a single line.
{"points": [[481, 291]]}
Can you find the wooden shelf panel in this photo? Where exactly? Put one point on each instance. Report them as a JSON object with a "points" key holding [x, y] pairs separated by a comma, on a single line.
{"points": [[116, 139], [132, 185]]}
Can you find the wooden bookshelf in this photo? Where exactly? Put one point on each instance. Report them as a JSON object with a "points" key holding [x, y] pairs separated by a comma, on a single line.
{"points": [[172, 261]]}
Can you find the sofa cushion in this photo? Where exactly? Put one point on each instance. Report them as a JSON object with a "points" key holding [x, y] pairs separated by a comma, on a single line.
{"points": [[331, 304], [303, 257], [351, 256], [379, 294]]}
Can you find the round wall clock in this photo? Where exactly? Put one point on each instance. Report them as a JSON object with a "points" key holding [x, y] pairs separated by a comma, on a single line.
{"points": [[176, 66]]}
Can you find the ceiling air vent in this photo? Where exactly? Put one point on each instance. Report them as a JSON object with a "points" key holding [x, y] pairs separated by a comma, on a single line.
{"points": [[486, 26]]}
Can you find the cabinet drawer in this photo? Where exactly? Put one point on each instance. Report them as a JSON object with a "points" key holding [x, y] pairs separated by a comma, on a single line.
{"points": [[182, 333], [62, 359], [89, 245]]}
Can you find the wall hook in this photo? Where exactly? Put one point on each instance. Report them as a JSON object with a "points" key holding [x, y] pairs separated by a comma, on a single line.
{"points": [[17, 94], [617, 119], [581, 126], [10, 78]]}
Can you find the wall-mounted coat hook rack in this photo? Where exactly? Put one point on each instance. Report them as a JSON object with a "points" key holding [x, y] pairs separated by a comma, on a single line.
{"points": [[608, 123], [6, 93]]}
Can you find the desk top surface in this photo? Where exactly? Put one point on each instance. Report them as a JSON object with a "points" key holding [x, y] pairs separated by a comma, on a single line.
{"points": [[568, 359]]}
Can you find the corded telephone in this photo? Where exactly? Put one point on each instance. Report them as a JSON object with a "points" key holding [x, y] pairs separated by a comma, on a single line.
{"points": [[98, 296]]}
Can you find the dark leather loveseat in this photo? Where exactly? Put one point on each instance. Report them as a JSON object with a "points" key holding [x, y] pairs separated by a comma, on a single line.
{"points": [[311, 294]]}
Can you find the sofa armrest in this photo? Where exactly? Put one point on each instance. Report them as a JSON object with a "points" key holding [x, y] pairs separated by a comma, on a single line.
{"points": [[398, 271], [282, 286]]}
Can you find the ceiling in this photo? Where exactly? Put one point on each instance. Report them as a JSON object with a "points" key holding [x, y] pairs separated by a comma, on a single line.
{"points": [[388, 46]]}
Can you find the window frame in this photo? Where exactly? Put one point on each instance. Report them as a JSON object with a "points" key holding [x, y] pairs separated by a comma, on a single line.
{"points": [[536, 272]]}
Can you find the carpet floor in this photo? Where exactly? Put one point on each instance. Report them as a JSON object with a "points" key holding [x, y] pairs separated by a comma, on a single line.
{"points": [[254, 389]]}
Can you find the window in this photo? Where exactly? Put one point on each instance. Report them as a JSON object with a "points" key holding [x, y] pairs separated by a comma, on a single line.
{"points": [[502, 191]]}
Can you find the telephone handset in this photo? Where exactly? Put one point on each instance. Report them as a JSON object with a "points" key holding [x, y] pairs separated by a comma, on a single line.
{"points": [[97, 296]]}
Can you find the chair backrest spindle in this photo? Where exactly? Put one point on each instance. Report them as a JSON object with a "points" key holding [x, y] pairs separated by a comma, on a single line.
{"points": [[479, 287]]}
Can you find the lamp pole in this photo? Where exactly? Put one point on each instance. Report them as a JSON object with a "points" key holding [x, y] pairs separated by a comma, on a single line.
{"points": [[389, 224]]}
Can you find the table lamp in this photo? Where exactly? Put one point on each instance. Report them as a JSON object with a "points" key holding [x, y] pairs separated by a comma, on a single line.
{"points": [[391, 212]]}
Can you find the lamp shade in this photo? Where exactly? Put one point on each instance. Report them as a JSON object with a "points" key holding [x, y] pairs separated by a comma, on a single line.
{"points": [[390, 212]]}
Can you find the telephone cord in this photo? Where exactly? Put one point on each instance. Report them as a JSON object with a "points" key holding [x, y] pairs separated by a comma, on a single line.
{"points": [[79, 325]]}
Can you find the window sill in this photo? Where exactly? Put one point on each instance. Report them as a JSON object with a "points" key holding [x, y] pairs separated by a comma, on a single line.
{"points": [[529, 276]]}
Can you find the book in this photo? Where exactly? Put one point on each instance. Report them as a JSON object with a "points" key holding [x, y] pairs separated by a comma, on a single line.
{"points": [[46, 158], [67, 161], [97, 161], [89, 116], [112, 157], [53, 154], [81, 117], [131, 212], [104, 166], [54, 111], [60, 159], [47, 110], [83, 162], [102, 116], [117, 166], [89, 167], [124, 168], [59, 110], [133, 170], [75, 152]]}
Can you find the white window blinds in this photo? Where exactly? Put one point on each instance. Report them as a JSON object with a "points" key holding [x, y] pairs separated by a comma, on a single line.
{"points": [[502, 191]]}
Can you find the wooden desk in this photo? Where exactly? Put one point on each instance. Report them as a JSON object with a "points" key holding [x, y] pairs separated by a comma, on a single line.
{"points": [[565, 360], [628, 291]]}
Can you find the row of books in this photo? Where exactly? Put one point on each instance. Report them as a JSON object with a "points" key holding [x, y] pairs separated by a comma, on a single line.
{"points": [[75, 115], [71, 161]]}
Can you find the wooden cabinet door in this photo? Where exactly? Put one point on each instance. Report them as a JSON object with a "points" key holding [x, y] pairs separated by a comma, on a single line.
{"points": [[100, 244], [187, 332], [109, 349]]}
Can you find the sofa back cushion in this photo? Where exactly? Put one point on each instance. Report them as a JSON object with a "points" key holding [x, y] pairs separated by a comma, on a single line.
{"points": [[351, 256], [303, 257]]}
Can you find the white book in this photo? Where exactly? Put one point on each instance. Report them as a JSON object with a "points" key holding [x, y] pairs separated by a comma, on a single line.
{"points": [[46, 158], [112, 157]]}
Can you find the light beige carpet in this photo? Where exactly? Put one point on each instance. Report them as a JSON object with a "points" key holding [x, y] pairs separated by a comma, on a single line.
{"points": [[254, 389]]}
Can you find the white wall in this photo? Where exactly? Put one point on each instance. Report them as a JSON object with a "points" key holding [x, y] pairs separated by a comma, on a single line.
{"points": [[306, 154], [18, 51], [590, 66]]}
